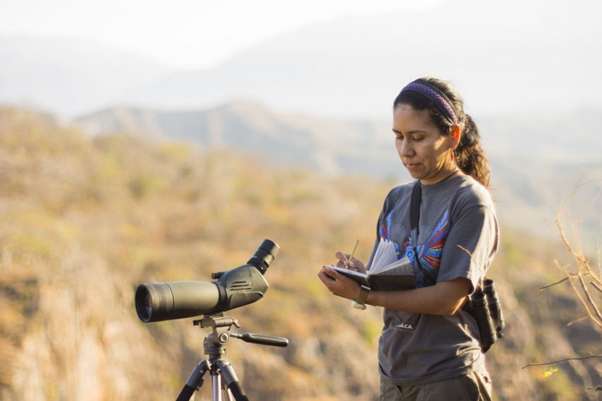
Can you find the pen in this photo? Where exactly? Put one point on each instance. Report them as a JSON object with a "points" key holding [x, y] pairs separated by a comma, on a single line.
{"points": [[350, 258]]}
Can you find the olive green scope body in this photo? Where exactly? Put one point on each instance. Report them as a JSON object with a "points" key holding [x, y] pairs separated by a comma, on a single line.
{"points": [[227, 290]]}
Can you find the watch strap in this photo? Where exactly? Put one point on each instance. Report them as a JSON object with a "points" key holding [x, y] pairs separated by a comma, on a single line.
{"points": [[363, 295]]}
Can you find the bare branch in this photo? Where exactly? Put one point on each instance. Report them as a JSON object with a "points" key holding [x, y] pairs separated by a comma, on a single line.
{"points": [[592, 304], [593, 275], [596, 286], [554, 283], [584, 302], [572, 322], [579, 296], [576, 358], [578, 255]]}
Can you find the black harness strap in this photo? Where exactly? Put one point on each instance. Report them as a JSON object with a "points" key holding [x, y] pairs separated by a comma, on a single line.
{"points": [[416, 199], [415, 207]]}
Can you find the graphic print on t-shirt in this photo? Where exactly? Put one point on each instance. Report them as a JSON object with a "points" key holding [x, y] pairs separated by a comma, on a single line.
{"points": [[430, 251]]}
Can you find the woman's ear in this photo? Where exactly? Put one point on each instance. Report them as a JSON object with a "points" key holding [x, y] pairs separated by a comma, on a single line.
{"points": [[456, 135]]}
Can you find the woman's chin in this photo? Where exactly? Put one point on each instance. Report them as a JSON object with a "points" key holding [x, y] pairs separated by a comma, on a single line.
{"points": [[415, 172]]}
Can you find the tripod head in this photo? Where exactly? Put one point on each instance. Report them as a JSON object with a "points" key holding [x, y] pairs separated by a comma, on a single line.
{"points": [[221, 327]]}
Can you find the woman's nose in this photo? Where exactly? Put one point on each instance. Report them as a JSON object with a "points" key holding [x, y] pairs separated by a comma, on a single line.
{"points": [[407, 149]]}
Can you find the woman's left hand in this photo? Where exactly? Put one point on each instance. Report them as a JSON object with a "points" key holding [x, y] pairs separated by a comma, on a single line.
{"points": [[338, 284]]}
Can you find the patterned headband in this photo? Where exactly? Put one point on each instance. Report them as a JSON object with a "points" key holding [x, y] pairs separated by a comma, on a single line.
{"points": [[439, 100]]}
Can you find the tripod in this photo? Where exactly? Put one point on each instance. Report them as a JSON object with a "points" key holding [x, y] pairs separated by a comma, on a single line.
{"points": [[219, 368]]}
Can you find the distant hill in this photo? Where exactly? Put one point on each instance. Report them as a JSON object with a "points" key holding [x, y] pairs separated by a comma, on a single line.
{"points": [[328, 145], [538, 160]]}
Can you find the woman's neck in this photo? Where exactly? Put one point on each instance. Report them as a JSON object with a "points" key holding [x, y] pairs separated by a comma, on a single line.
{"points": [[442, 175]]}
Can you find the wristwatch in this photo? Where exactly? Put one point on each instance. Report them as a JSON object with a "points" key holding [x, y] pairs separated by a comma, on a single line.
{"points": [[360, 301]]}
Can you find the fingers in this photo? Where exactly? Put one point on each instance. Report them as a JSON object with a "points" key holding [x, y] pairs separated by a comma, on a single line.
{"points": [[326, 273], [337, 283], [326, 276], [343, 259], [346, 257], [346, 260], [336, 279]]}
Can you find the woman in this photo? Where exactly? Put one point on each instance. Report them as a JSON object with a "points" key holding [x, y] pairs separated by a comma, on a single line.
{"points": [[429, 347]]}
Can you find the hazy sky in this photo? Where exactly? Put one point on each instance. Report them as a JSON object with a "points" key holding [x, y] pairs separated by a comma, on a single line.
{"points": [[180, 33]]}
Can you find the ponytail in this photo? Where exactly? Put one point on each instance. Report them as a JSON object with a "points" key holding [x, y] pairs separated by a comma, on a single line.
{"points": [[470, 157]]}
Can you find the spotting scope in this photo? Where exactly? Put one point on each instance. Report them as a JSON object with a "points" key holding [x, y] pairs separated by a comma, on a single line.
{"points": [[227, 290]]}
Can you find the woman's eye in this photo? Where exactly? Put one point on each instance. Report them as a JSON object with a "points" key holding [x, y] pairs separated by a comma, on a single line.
{"points": [[418, 138]]}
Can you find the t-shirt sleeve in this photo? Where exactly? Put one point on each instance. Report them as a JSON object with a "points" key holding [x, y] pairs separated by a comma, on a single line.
{"points": [[470, 246]]}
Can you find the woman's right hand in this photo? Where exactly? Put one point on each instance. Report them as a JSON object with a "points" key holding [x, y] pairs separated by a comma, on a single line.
{"points": [[349, 262]]}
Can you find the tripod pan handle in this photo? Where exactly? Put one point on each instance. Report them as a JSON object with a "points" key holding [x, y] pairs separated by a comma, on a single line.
{"points": [[261, 339]]}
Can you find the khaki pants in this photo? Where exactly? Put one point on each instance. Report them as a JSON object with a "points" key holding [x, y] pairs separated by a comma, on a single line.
{"points": [[471, 387]]}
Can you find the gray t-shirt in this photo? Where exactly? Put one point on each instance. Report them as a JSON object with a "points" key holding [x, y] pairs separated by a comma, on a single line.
{"points": [[458, 237]]}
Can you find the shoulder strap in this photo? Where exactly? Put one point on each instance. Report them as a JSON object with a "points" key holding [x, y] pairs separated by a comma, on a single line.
{"points": [[414, 219], [415, 206]]}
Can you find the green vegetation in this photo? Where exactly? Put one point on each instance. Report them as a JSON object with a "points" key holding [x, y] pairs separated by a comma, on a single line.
{"points": [[85, 219]]}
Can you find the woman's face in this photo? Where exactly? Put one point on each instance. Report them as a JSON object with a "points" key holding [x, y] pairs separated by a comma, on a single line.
{"points": [[423, 150]]}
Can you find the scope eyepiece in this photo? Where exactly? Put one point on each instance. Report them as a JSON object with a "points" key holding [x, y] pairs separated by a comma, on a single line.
{"points": [[264, 255]]}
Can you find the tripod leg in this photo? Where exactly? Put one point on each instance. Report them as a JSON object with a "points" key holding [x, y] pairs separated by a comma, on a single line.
{"points": [[230, 379], [216, 386], [194, 382]]}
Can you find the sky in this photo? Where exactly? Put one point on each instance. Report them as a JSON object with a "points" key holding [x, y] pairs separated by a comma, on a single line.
{"points": [[181, 33]]}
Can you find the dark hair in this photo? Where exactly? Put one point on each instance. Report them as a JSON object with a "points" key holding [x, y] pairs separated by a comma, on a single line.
{"points": [[470, 156]]}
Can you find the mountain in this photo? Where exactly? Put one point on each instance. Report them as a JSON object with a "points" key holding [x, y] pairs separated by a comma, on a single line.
{"points": [[69, 75], [505, 57], [539, 161], [328, 145]]}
